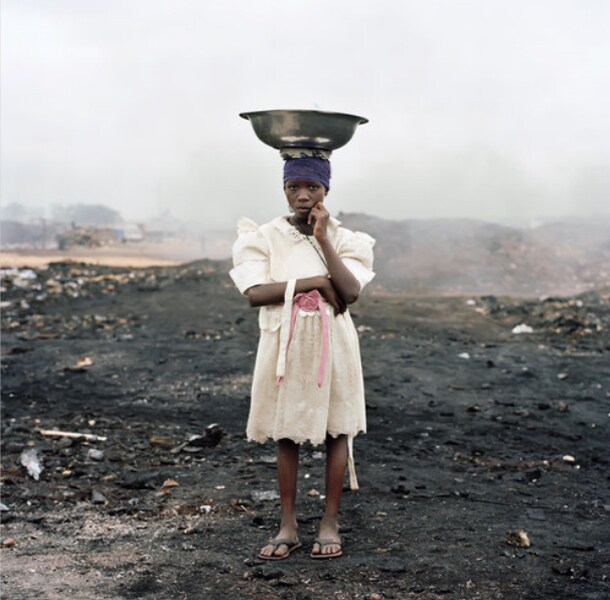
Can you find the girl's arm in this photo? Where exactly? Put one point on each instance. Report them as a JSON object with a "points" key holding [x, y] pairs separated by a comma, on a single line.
{"points": [[346, 285], [273, 293]]}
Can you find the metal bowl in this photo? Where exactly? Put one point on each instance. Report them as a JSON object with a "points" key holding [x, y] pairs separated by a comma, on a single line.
{"points": [[303, 128]]}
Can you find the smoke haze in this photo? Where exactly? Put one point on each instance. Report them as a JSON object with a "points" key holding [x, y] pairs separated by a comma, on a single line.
{"points": [[483, 108]]}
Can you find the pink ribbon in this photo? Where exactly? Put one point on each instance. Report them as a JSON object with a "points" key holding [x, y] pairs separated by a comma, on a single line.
{"points": [[310, 302]]}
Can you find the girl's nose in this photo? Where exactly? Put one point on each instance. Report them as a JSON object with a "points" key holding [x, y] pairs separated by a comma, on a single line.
{"points": [[303, 193]]}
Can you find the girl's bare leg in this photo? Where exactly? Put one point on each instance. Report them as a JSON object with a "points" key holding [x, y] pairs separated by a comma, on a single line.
{"points": [[287, 468], [336, 462]]}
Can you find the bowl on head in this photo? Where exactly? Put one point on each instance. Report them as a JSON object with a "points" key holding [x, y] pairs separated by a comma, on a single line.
{"points": [[314, 129]]}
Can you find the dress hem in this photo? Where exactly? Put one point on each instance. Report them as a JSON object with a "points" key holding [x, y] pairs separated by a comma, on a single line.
{"points": [[264, 438]]}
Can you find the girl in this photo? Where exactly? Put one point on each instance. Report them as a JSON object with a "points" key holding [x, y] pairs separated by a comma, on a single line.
{"points": [[303, 270]]}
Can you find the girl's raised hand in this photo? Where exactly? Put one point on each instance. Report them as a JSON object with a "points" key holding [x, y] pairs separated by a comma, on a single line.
{"points": [[318, 217]]}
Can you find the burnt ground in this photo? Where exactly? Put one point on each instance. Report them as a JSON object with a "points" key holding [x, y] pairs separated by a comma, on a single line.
{"points": [[512, 434]]}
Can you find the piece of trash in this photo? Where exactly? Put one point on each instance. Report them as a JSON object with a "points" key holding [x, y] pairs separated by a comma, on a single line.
{"points": [[219, 487], [569, 458], [238, 504], [562, 376], [82, 362], [206, 509], [471, 302], [29, 459], [265, 495], [3, 507], [98, 497], [211, 438], [169, 483], [464, 355], [9, 542], [73, 435], [95, 454], [522, 328], [518, 538], [313, 492], [192, 527], [161, 440]]}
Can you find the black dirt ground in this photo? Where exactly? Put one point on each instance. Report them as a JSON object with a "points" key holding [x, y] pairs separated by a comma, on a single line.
{"points": [[473, 432]]}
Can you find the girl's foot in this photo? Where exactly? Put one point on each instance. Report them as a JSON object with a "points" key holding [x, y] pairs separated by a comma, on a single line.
{"points": [[282, 545], [328, 542]]}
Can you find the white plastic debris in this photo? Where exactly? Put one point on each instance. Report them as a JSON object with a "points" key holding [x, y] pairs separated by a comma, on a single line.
{"points": [[95, 454], [29, 459], [265, 495], [464, 355], [522, 328], [471, 302], [98, 497], [21, 278], [569, 458]]}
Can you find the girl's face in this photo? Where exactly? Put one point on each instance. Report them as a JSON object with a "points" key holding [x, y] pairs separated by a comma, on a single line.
{"points": [[303, 195]]}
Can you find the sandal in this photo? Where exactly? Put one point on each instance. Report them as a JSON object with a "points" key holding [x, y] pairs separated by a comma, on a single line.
{"points": [[276, 543], [322, 543]]}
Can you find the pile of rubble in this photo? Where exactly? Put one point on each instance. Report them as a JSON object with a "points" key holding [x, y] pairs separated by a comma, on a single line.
{"points": [[585, 315], [29, 294]]}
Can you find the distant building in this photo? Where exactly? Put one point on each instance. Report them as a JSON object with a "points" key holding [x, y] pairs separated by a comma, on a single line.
{"points": [[129, 232]]}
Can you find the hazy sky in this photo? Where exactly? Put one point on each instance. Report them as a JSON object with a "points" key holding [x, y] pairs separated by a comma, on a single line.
{"points": [[480, 108]]}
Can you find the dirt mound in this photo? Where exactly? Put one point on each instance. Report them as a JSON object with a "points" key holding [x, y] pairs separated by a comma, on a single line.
{"points": [[457, 256]]}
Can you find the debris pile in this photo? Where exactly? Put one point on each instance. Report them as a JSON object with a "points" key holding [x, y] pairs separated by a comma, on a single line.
{"points": [[584, 315], [29, 294], [98, 467]]}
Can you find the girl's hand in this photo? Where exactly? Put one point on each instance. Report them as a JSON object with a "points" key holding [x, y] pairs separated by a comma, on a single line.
{"points": [[318, 217], [330, 294]]}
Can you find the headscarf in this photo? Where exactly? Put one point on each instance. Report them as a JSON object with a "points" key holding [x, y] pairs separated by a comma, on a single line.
{"points": [[310, 168]]}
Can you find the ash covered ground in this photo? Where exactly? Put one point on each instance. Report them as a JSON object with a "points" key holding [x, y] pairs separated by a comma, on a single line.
{"points": [[475, 432]]}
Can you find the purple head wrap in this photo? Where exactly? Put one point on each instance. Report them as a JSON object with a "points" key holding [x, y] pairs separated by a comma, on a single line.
{"points": [[310, 168]]}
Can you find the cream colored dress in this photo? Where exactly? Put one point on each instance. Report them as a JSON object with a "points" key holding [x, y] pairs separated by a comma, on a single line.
{"points": [[298, 408]]}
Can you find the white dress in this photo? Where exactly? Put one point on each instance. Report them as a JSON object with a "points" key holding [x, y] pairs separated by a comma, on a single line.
{"points": [[299, 408]]}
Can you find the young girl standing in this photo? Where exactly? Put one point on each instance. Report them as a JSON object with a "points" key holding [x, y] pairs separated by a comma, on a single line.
{"points": [[303, 270]]}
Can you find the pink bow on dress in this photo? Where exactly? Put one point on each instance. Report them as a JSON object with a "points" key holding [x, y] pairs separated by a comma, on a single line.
{"points": [[310, 302]]}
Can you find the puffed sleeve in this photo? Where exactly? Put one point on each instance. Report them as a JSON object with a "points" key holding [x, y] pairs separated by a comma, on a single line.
{"points": [[250, 256], [356, 251]]}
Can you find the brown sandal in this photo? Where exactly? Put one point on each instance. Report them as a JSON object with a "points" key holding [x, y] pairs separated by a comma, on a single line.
{"points": [[276, 543], [323, 542]]}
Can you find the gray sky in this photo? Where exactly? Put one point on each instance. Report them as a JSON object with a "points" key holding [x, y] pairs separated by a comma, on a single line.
{"points": [[477, 108]]}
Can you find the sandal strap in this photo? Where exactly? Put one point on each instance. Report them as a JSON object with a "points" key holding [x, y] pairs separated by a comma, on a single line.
{"points": [[277, 542], [328, 542]]}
